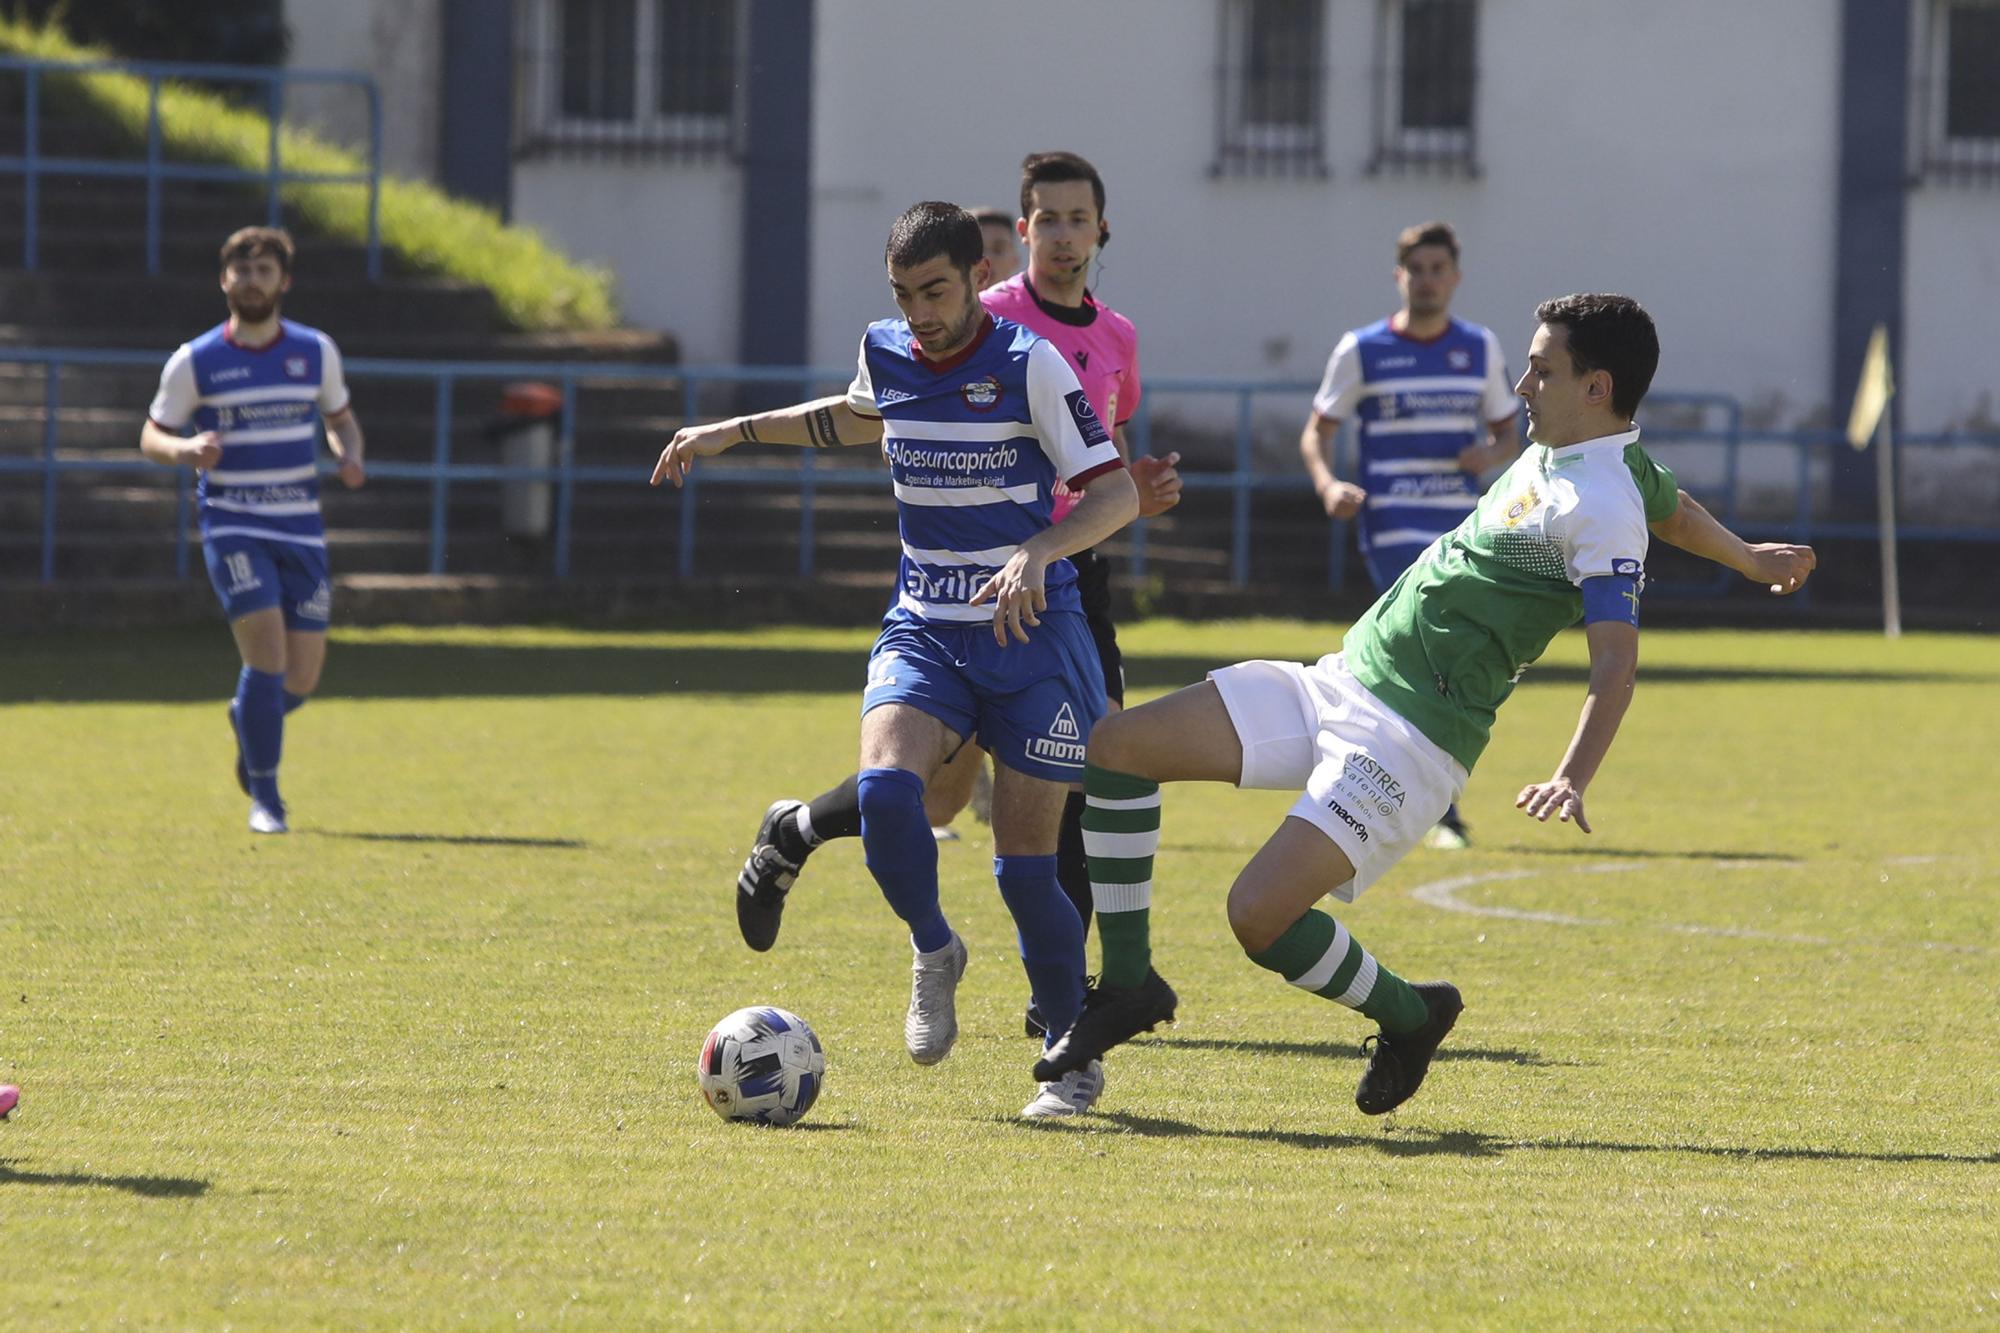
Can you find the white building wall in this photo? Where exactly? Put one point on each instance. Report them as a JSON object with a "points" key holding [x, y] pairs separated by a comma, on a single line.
{"points": [[1624, 148], [1948, 374], [399, 43], [670, 233]]}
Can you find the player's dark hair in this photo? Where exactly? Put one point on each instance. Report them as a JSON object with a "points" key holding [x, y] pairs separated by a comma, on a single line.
{"points": [[993, 217], [1044, 168], [935, 228], [1426, 233], [1610, 333], [250, 242]]}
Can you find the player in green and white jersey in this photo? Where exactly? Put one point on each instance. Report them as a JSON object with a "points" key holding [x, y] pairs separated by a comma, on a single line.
{"points": [[1380, 737]]}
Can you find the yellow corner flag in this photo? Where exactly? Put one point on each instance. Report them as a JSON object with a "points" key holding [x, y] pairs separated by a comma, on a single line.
{"points": [[1878, 386]]}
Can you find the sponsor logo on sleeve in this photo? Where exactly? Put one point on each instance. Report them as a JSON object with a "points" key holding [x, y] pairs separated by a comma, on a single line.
{"points": [[1085, 416], [1631, 568]]}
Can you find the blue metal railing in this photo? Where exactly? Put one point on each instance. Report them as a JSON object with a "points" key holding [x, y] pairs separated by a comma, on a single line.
{"points": [[32, 165], [1242, 480]]}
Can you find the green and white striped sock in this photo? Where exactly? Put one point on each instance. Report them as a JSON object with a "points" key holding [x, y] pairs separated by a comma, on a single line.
{"points": [[1121, 833], [1317, 954]]}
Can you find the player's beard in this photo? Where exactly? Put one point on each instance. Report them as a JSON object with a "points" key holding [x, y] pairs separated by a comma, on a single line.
{"points": [[250, 310], [961, 333]]}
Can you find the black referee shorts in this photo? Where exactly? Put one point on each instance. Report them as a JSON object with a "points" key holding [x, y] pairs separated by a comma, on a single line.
{"points": [[1093, 586]]}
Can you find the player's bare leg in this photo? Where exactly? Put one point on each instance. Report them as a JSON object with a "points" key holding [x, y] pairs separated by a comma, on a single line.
{"points": [[950, 788], [1273, 914]]}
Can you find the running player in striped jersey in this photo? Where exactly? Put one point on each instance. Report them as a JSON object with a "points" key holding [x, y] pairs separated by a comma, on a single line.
{"points": [[1435, 411], [979, 419], [1062, 222], [1381, 735], [255, 388]]}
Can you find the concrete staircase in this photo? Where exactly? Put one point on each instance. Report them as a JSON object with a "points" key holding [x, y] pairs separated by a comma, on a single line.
{"points": [[115, 545]]}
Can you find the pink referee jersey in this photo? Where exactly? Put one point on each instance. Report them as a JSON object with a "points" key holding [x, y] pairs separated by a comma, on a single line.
{"points": [[1100, 345]]}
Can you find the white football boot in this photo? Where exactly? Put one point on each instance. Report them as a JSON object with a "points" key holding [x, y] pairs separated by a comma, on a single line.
{"points": [[265, 821], [1072, 1094], [932, 1024]]}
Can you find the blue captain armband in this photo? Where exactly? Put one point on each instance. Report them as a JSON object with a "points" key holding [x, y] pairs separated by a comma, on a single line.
{"points": [[1612, 597]]}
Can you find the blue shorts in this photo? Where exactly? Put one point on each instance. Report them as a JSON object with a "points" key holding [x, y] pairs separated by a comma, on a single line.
{"points": [[1031, 704], [251, 573]]}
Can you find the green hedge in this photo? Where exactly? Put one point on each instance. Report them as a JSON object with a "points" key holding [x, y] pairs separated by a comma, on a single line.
{"points": [[424, 228]]}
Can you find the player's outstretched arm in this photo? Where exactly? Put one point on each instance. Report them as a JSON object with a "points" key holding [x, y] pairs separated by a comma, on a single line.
{"points": [[1017, 590], [1614, 664], [1780, 566], [824, 423]]}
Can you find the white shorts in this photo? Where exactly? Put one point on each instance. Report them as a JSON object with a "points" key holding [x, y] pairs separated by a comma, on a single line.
{"points": [[1372, 782]]}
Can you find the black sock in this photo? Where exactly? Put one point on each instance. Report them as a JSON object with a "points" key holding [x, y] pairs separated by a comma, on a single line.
{"points": [[835, 813], [1072, 872]]}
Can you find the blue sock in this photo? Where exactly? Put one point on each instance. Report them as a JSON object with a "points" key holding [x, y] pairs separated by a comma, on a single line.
{"points": [[260, 720], [896, 842], [294, 702], [1051, 936]]}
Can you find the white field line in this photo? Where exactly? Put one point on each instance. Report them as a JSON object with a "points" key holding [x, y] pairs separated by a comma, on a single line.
{"points": [[1443, 895]]}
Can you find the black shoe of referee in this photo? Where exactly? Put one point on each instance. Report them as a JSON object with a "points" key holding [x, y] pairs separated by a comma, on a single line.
{"points": [[767, 876], [1111, 1014]]}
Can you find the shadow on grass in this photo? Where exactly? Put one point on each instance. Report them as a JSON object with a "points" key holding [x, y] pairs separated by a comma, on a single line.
{"points": [[1351, 1049], [454, 839], [1394, 1142], [150, 1187], [183, 666], [1643, 854]]}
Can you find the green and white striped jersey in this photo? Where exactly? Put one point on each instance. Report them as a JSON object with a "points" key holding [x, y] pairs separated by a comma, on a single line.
{"points": [[1444, 646]]}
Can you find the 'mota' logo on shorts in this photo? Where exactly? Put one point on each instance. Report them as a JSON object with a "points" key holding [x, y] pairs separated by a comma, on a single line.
{"points": [[1064, 743]]}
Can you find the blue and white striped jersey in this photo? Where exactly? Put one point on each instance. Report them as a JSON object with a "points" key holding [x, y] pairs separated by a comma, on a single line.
{"points": [[1416, 404], [975, 445], [264, 404]]}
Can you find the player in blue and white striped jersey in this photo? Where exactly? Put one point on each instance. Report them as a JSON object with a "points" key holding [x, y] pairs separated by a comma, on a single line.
{"points": [[255, 389], [979, 419], [1434, 410]]}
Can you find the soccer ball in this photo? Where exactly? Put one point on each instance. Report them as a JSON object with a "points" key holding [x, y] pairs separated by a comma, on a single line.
{"points": [[761, 1064]]}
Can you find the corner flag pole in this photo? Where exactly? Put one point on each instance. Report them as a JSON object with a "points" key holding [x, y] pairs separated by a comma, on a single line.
{"points": [[1871, 418]]}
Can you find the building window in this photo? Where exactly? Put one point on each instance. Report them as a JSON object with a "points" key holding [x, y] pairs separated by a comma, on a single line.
{"points": [[1271, 92], [629, 77], [1426, 72], [1958, 94]]}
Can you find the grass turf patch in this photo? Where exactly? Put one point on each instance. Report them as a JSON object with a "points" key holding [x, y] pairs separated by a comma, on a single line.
{"points": [[432, 1055]]}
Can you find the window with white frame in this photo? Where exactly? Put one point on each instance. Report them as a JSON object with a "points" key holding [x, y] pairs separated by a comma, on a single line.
{"points": [[1426, 71], [658, 77], [1957, 88], [1272, 86]]}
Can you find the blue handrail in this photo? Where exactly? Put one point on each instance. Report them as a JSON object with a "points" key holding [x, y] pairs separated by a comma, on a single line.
{"points": [[1242, 481], [155, 170]]}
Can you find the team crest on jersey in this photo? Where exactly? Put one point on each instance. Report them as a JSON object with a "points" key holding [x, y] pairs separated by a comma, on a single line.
{"points": [[1524, 504], [1458, 359], [981, 395], [295, 366]]}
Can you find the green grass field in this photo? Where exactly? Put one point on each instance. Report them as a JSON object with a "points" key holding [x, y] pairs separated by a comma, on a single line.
{"points": [[1731, 1061]]}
